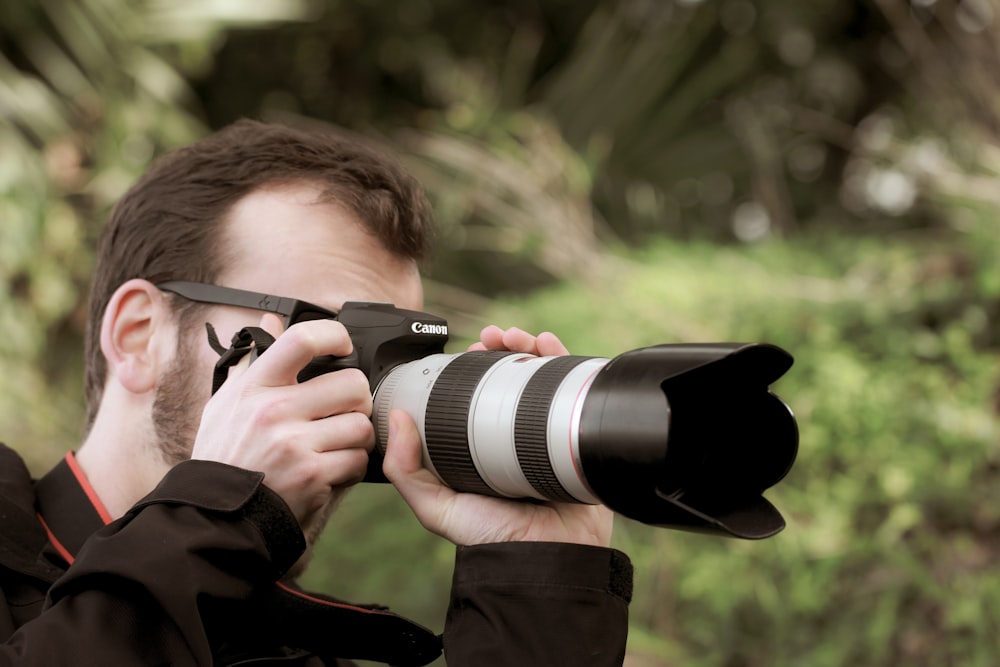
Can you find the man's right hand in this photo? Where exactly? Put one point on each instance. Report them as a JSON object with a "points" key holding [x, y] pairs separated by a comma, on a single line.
{"points": [[309, 439]]}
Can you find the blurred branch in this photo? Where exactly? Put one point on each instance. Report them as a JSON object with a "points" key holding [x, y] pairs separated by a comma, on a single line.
{"points": [[769, 180], [532, 198], [957, 64]]}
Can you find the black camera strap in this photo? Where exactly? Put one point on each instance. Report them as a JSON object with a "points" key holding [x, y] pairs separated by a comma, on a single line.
{"points": [[334, 629], [248, 340]]}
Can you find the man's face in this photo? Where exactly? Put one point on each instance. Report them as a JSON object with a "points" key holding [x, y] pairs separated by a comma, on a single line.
{"points": [[283, 241]]}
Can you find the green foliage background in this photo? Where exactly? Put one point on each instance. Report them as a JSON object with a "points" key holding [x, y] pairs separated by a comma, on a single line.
{"points": [[818, 175]]}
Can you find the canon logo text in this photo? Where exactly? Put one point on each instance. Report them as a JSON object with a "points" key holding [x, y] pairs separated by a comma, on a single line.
{"points": [[425, 328]]}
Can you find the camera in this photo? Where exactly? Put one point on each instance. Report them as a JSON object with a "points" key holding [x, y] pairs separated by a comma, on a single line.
{"points": [[684, 436]]}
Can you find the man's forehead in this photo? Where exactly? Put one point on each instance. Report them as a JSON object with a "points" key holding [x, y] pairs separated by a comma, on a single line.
{"points": [[291, 238]]}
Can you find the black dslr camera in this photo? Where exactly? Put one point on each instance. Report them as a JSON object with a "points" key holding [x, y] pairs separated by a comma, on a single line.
{"points": [[683, 436]]}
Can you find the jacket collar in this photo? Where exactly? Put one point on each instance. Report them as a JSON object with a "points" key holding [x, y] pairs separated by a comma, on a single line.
{"points": [[24, 546], [68, 507]]}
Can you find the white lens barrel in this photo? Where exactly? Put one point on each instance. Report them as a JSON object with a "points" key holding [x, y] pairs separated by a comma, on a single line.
{"points": [[407, 387], [496, 423]]}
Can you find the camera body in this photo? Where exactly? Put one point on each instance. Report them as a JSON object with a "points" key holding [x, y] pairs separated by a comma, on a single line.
{"points": [[383, 337], [684, 436]]}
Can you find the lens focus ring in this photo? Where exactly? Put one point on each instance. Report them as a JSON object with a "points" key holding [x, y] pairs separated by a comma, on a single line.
{"points": [[531, 428], [446, 424]]}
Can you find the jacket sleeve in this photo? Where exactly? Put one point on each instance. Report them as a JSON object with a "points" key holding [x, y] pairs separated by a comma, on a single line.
{"points": [[538, 604], [163, 584]]}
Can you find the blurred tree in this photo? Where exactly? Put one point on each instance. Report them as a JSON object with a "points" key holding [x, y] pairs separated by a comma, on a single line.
{"points": [[699, 119], [89, 93]]}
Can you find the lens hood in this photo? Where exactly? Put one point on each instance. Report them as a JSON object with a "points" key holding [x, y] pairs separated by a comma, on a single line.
{"points": [[690, 436]]}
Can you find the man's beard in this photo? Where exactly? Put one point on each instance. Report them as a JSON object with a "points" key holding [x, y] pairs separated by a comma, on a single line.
{"points": [[177, 411]]}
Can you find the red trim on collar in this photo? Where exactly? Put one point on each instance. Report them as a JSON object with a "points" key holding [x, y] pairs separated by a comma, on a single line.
{"points": [[95, 500], [63, 551]]}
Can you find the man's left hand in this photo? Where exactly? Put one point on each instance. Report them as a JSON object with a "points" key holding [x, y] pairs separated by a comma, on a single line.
{"points": [[469, 518]]}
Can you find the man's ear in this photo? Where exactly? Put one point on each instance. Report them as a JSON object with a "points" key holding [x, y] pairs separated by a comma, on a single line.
{"points": [[138, 335]]}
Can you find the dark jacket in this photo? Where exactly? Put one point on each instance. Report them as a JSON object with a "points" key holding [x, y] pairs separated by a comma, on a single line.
{"points": [[187, 577]]}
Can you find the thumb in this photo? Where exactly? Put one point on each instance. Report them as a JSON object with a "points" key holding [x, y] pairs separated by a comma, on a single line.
{"points": [[404, 464], [427, 496], [404, 450]]}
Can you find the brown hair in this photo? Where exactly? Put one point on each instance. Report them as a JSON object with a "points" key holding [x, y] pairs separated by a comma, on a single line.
{"points": [[167, 225]]}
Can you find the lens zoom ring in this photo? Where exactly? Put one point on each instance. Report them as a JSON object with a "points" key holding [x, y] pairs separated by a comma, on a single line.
{"points": [[446, 424], [531, 428]]}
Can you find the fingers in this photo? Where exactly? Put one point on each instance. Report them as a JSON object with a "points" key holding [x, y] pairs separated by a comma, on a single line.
{"points": [[307, 481], [549, 345], [296, 347], [328, 413], [343, 391], [517, 340], [350, 430], [307, 438], [490, 338]]}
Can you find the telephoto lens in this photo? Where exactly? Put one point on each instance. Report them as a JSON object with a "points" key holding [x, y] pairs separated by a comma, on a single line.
{"points": [[684, 436]]}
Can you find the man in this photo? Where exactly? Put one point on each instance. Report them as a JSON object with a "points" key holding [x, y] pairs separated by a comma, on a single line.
{"points": [[167, 537]]}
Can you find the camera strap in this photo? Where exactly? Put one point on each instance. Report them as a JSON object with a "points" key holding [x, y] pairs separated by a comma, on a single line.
{"points": [[332, 629], [248, 340]]}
